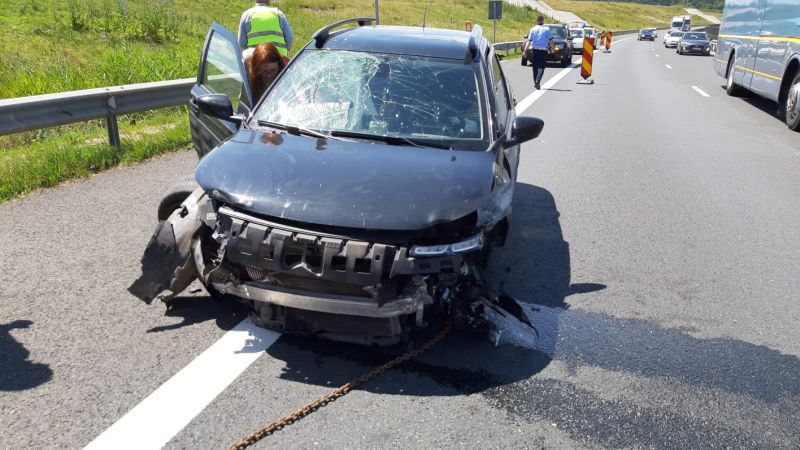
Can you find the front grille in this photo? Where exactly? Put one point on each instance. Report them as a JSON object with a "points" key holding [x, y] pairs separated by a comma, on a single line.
{"points": [[300, 259]]}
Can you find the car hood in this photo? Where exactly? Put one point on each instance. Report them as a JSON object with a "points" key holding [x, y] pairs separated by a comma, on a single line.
{"points": [[695, 42], [356, 184]]}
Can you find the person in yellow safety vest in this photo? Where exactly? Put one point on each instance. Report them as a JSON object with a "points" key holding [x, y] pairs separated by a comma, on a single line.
{"points": [[263, 23]]}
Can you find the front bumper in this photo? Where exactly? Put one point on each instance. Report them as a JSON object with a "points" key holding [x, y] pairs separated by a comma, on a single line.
{"points": [[324, 303], [557, 55], [696, 50]]}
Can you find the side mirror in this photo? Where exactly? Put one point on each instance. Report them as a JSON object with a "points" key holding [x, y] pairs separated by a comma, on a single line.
{"points": [[217, 105], [523, 129]]}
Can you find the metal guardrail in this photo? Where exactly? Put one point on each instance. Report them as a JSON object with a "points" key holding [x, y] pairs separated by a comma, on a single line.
{"points": [[48, 110], [43, 111]]}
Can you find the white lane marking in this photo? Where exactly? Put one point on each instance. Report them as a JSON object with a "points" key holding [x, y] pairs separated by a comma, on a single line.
{"points": [[658, 56], [164, 413], [530, 99], [667, 66], [620, 40], [700, 91]]}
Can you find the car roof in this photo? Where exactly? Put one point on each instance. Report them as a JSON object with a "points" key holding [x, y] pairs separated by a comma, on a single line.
{"points": [[418, 41]]}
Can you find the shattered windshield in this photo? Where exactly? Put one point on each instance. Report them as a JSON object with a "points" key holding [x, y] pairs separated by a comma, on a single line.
{"points": [[409, 97]]}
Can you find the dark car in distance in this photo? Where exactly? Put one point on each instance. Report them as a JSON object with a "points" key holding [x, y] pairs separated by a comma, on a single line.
{"points": [[354, 199], [647, 34], [694, 42], [563, 46]]}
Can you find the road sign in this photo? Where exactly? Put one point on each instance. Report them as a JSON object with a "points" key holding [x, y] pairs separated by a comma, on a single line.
{"points": [[495, 9], [586, 64]]}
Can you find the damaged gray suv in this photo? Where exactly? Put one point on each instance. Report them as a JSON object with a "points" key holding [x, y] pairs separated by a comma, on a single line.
{"points": [[359, 197]]}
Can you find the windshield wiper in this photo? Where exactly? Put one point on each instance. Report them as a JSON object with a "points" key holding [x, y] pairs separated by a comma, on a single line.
{"points": [[391, 140], [291, 129]]}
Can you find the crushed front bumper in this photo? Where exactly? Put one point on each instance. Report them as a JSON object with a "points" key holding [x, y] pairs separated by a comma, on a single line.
{"points": [[294, 279]]}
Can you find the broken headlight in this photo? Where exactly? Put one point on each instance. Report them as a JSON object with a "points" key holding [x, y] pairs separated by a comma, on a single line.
{"points": [[467, 245]]}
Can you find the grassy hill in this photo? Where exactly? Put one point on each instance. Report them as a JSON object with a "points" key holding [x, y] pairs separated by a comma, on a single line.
{"points": [[59, 45], [625, 15]]}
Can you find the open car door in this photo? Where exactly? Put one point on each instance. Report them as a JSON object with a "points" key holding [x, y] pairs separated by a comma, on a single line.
{"points": [[221, 71]]}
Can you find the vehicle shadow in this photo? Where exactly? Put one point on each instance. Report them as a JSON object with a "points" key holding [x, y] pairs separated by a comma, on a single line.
{"points": [[193, 310], [767, 106], [535, 269], [17, 372]]}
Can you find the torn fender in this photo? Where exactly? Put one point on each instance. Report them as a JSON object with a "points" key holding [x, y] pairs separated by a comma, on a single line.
{"points": [[167, 264]]}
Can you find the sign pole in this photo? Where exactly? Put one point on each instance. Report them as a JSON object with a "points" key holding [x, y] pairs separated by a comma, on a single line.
{"points": [[495, 12]]}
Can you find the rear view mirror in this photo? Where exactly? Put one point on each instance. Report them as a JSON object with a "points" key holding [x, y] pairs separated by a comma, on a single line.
{"points": [[523, 129], [217, 105]]}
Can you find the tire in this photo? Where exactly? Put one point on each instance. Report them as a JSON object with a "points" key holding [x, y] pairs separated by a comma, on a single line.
{"points": [[733, 89], [173, 198], [792, 109]]}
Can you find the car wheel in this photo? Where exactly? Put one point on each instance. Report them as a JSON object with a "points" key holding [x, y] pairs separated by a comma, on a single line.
{"points": [[173, 198], [733, 89], [792, 116]]}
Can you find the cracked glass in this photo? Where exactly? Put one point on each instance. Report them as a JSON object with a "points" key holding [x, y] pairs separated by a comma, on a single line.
{"points": [[402, 96]]}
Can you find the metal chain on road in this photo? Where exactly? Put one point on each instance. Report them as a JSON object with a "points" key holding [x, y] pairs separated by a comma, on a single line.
{"points": [[323, 401]]}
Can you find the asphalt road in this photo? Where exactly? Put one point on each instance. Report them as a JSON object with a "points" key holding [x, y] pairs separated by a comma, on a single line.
{"points": [[654, 240]]}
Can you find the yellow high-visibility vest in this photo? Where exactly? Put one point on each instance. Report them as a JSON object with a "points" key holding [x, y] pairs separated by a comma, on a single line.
{"points": [[265, 26]]}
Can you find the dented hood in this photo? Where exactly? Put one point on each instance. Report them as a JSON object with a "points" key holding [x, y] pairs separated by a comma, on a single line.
{"points": [[349, 184]]}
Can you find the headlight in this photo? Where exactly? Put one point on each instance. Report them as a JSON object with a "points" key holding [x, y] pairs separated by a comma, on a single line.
{"points": [[467, 245]]}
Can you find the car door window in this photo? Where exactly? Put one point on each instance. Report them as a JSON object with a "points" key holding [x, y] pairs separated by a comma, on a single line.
{"points": [[500, 94], [221, 71]]}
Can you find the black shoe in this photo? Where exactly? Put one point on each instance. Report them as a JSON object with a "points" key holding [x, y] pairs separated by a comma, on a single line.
{"points": [[538, 86]]}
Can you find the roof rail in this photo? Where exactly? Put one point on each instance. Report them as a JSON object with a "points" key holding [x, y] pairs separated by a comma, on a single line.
{"points": [[321, 35], [475, 39]]}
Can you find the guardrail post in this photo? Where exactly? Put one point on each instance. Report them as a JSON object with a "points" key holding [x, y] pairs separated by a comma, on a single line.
{"points": [[111, 121], [113, 130]]}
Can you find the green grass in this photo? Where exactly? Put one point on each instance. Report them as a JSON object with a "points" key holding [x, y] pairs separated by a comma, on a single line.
{"points": [[60, 45], [61, 153], [625, 16]]}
